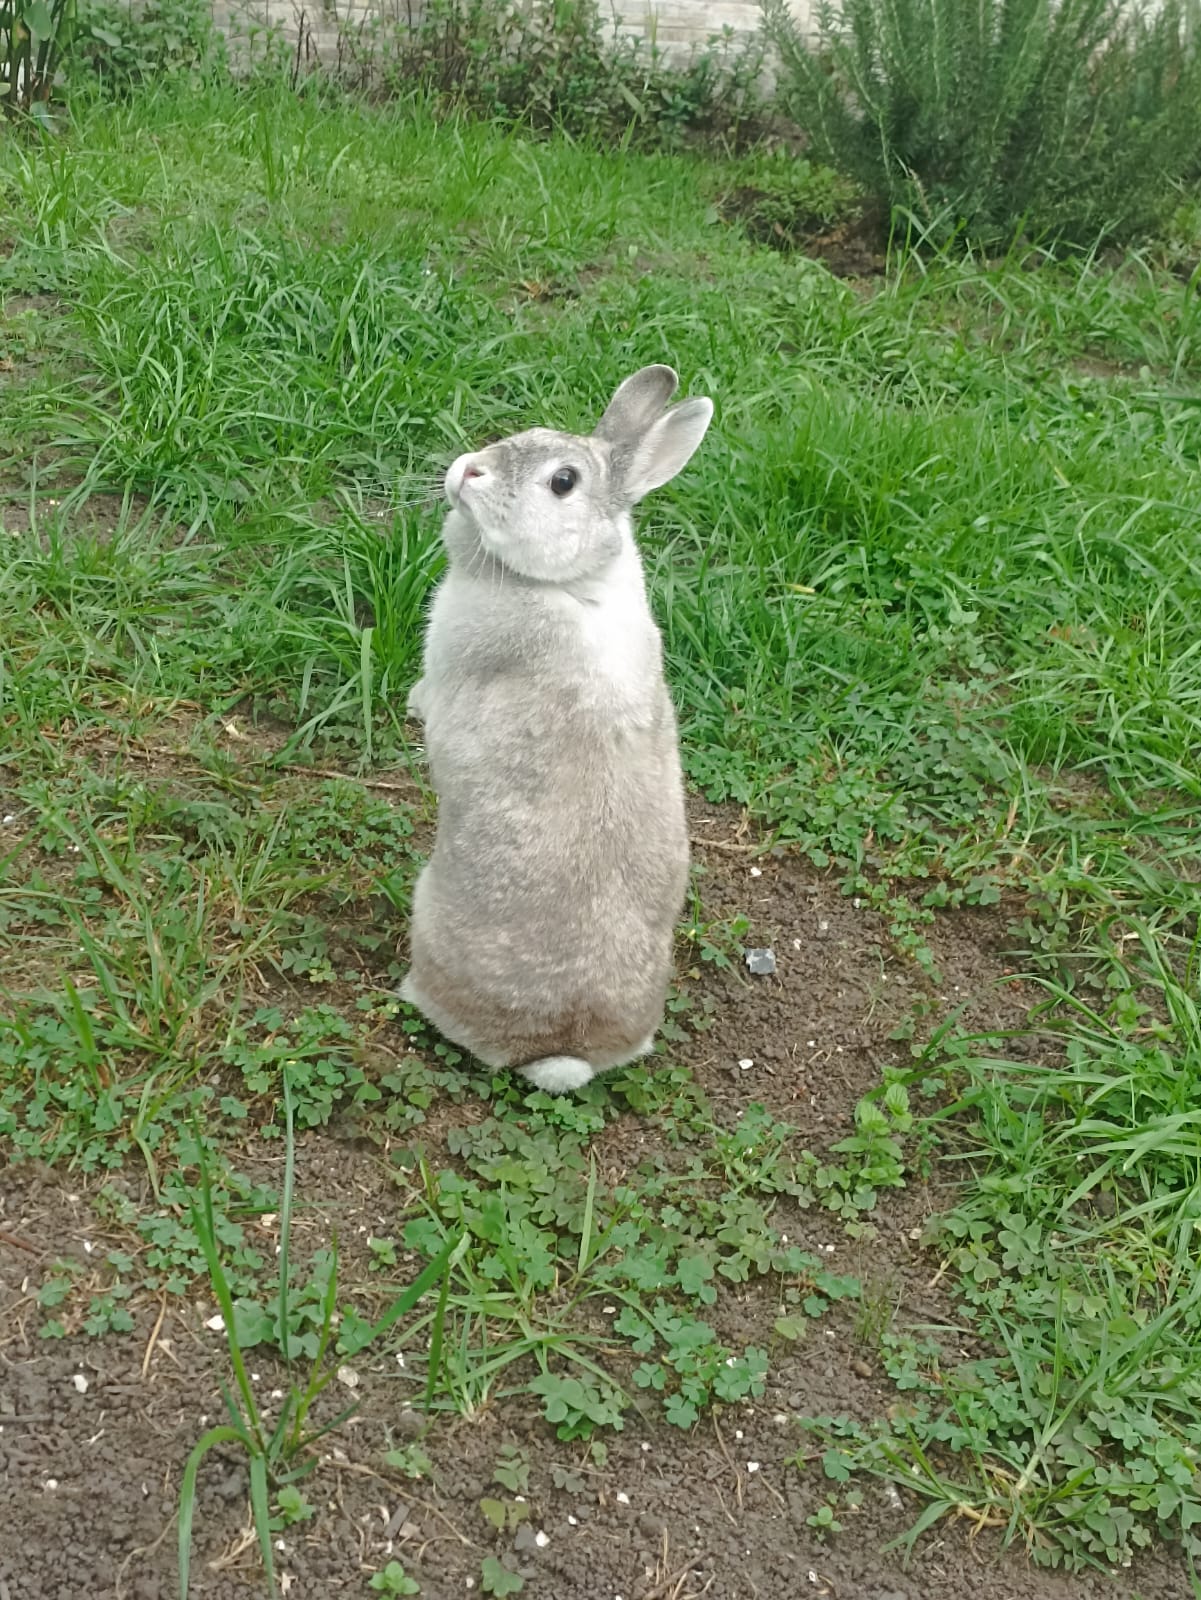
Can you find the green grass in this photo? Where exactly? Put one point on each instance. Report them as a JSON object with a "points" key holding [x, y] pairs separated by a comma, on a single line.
{"points": [[929, 598]]}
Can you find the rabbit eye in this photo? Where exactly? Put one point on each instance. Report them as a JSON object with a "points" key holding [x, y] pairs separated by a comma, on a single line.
{"points": [[564, 481]]}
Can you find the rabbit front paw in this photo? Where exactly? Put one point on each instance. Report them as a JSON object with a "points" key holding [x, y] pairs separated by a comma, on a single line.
{"points": [[415, 708]]}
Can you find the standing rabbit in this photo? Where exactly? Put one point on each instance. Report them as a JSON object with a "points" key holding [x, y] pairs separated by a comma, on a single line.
{"points": [[542, 924]]}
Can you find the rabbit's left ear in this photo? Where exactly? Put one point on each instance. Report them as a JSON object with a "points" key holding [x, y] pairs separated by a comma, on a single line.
{"points": [[665, 449]]}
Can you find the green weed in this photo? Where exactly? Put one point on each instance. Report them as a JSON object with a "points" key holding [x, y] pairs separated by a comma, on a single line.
{"points": [[280, 1455]]}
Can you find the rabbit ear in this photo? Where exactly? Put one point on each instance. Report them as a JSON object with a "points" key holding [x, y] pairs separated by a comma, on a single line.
{"points": [[636, 404], [665, 449]]}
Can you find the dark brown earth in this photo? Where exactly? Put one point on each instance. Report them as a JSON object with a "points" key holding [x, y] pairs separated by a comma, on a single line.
{"points": [[854, 246], [94, 1432]]}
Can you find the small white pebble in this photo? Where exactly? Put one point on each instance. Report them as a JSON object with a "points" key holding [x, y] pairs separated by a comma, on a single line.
{"points": [[796, 944], [541, 1539], [812, 1575], [255, 1378], [609, 1311], [812, 1043], [400, 1358], [80, 1382], [780, 1418], [828, 1249], [644, 1447], [88, 1247], [756, 872], [9, 818], [50, 1483], [280, 1545], [752, 1466], [737, 1431], [623, 1498], [746, 1063], [573, 1522], [349, 1377], [216, 1324]]}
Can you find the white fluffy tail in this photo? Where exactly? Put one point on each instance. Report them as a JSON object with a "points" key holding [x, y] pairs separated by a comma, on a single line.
{"points": [[558, 1074]]}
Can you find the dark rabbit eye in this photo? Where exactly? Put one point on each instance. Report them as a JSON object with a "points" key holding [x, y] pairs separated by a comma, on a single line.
{"points": [[564, 481]]}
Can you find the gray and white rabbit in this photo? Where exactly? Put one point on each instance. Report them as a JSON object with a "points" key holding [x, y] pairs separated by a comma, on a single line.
{"points": [[542, 924]]}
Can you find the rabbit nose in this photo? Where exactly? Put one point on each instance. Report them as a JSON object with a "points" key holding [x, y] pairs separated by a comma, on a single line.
{"points": [[462, 471]]}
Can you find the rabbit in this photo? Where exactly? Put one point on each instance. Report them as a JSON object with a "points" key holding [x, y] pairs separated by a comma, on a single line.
{"points": [[542, 924]]}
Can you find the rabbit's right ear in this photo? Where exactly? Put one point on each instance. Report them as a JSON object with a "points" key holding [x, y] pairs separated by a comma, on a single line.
{"points": [[636, 404]]}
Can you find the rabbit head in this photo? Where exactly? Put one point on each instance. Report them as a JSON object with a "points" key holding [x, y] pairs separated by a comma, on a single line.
{"points": [[553, 508]]}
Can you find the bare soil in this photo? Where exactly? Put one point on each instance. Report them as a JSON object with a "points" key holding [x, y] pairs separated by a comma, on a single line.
{"points": [[853, 247], [94, 1431]]}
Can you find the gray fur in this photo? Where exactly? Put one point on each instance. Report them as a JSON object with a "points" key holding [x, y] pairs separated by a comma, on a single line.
{"points": [[542, 924]]}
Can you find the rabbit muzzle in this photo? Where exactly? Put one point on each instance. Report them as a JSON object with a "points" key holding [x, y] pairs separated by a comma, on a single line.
{"points": [[463, 472]]}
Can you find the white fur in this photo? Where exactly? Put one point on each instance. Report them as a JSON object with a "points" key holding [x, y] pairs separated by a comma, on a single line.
{"points": [[558, 1074], [618, 638], [562, 1074]]}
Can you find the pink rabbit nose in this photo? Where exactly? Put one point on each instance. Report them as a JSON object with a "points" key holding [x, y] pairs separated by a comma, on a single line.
{"points": [[462, 471]]}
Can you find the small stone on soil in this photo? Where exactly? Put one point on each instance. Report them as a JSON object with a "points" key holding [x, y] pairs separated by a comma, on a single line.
{"points": [[761, 963], [410, 1423]]}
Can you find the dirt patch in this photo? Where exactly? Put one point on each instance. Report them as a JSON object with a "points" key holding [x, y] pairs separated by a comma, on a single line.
{"points": [[720, 1510], [853, 246], [99, 517]]}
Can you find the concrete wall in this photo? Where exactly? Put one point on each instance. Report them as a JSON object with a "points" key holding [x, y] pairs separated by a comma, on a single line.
{"points": [[312, 27]]}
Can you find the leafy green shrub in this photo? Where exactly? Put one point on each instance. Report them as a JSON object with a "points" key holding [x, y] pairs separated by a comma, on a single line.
{"points": [[124, 44], [33, 35], [1068, 118], [558, 64]]}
